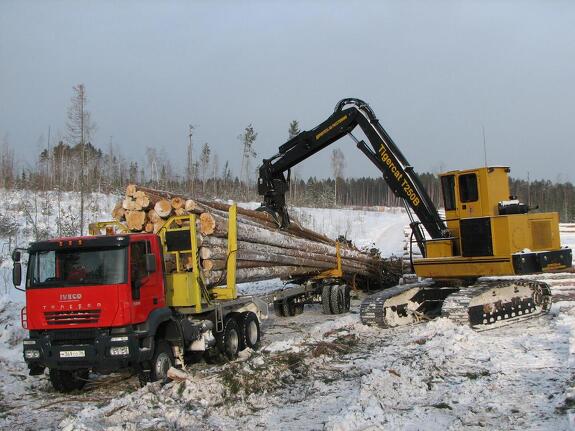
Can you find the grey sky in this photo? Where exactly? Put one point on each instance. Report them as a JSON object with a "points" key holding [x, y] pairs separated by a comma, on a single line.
{"points": [[434, 72]]}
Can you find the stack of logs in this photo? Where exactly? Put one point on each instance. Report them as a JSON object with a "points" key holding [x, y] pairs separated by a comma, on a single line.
{"points": [[264, 250]]}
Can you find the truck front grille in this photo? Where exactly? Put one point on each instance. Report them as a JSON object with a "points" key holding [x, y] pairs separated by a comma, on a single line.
{"points": [[71, 317]]}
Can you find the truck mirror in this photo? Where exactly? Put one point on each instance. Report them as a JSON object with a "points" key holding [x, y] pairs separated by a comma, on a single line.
{"points": [[150, 262], [16, 255], [17, 274]]}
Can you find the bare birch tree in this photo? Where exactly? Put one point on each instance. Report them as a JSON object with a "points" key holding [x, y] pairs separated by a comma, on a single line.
{"points": [[337, 167], [80, 128]]}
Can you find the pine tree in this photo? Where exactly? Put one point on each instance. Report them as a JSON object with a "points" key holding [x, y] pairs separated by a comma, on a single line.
{"points": [[205, 163], [293, 129], [247, 138]]}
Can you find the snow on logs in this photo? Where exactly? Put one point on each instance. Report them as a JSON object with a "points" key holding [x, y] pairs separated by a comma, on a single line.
{"points": [[264, 251]]}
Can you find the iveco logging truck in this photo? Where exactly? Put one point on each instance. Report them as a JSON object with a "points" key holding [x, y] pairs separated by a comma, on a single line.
{"points": [[105, 302]]}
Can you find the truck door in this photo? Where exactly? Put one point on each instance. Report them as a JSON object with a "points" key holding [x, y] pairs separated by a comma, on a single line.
{"points": [[146, 286]]}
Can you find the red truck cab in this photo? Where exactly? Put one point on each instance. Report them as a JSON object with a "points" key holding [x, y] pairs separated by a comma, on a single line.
{"points": [[93, 303]]}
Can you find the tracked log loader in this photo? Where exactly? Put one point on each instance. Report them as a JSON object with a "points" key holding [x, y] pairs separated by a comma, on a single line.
{"points": [[485, 232]]}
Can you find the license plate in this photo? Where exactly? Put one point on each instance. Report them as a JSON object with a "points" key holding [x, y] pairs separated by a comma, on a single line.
{"points": [[72, 354]]}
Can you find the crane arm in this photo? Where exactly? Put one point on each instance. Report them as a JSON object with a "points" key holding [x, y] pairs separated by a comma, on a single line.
{"points": [[382, 151]]}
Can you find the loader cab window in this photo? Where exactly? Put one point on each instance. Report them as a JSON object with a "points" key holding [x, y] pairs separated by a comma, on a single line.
{"points": [[468, 191], [448, 188]]}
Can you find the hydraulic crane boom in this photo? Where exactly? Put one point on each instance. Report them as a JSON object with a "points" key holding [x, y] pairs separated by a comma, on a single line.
{"points": [[384, 153]]}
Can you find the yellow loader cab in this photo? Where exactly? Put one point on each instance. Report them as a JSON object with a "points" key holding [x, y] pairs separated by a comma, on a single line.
{"points": [[492, 233]]}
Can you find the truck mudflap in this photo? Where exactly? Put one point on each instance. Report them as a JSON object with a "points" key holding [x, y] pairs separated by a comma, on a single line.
{"points": [[99, 350]]}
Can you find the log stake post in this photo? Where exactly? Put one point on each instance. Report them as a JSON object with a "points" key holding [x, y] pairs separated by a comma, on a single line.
{"points": [[195, 267], [230, 291]]}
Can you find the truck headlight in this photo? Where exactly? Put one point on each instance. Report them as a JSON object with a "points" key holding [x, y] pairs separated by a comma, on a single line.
{"points": [[115, 339], [120, 351], [31, 354]]}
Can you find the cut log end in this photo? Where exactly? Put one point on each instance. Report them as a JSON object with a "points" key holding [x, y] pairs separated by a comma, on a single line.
{"points": [[163, 208], [177, 202], [131, 190], [135, 220], [207, 224], [191, 205]]}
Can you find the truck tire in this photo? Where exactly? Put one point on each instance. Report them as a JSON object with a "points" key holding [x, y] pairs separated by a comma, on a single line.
{"points": [[278, 309], [288, 306], [228, 341], [326, 299], [162, 360], [68, 381], [249, 330], [337, 300]]}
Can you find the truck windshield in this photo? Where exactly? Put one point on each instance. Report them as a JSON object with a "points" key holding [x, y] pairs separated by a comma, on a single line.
{"points": [[74, 267]]}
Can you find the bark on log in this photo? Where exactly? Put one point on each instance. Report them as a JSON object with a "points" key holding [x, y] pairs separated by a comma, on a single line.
{"points": [[244, 275], [260, 235], [264, 251]]}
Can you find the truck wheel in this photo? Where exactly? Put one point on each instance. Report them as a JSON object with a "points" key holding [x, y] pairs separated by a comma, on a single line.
{"points": [[278, 309], [249, 330], [288, 306], [337, 300], [228, 341], [68, 381], [161, 362], [326, 300]]}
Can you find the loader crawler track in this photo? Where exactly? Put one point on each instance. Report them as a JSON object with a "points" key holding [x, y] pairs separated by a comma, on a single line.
{"points": [[494, 303], [403, 305], [484, 305]]}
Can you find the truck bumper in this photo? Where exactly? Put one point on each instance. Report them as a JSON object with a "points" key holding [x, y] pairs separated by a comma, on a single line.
{"points": [[98, 350]]}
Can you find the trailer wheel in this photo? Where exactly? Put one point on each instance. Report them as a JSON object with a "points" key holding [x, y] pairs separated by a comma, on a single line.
{"points": [[249, 330], [288, 306], [278, 309], [228, 341], [337, 300], [68, 381], [346, 298], [326, 300], [299, 308]]}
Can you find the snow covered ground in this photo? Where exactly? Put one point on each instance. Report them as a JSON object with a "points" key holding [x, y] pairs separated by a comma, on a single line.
{"points": [[325, 372]]}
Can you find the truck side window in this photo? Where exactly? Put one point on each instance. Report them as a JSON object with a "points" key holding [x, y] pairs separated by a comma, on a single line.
{"points": [[138, 252], [468, 188], [448, 186]]}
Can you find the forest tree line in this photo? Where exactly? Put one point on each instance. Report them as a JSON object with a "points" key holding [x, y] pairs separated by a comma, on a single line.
{"points": [[73, 163], [110, 172]]}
